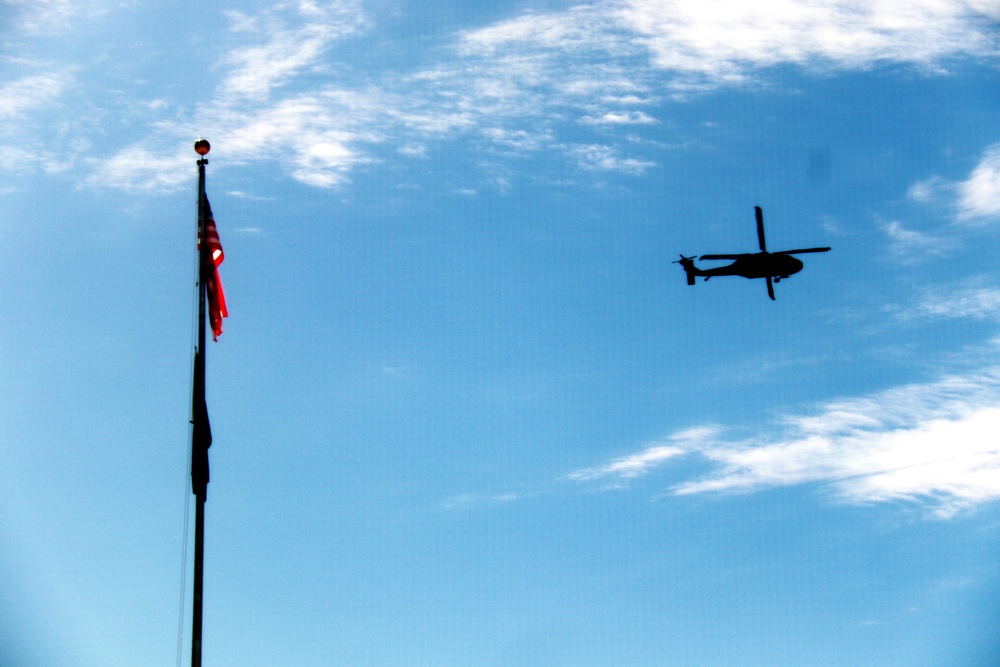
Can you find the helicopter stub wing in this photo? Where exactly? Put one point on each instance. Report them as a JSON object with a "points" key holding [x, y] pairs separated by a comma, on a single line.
{"points": [[726, 256]]}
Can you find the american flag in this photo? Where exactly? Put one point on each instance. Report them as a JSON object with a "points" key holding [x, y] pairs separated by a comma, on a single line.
{"points": [[210, 273]]}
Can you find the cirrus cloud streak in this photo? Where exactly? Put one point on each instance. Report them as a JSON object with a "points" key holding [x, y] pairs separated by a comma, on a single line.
{"points": [[928, 443], [544, 77]]}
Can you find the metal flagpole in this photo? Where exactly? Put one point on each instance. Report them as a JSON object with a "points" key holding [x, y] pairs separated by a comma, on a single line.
{"points": [[201, 433]]}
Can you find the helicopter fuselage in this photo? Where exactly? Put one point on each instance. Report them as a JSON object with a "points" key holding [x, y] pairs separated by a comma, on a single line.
{"points": [[758, 265]]}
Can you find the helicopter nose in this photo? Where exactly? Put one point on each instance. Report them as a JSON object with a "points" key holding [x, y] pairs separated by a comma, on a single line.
{"points": [[793, 265]]}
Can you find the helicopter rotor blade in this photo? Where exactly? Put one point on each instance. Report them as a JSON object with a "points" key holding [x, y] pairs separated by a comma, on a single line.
{"points": [[800, 250], [770, 288], [760, 228], [724, 256]]}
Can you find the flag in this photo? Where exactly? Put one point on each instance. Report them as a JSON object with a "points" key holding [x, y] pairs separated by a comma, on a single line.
{"points": [[201, 432], [210, 273]]}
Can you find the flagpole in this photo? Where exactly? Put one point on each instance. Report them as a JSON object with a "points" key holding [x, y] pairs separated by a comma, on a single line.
{"points": [[199, 469]]}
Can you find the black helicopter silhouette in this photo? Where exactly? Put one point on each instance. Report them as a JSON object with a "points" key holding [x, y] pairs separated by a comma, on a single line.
{"points": [[772, 266]]}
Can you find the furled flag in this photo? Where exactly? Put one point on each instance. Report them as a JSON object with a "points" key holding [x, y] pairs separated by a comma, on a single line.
{"points": [[201, 434], [210, 274]]}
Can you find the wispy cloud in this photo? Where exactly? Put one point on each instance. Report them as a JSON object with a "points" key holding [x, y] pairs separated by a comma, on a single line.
{"points": [[250, 197], [20, 161], [976, 200], [719, 42], [600, 62], [319, 136], [596, 157], [930, 443], [974, 300], [929, 190], [655, 454], [283, 51], [521, 140], [465, 501], [620, 118], [142, 170], [316, 135], [584, 27], [22, 100], [31, 92], [631, 466], [724, 40], [912, 245], [41, 16], [536, 81], [979, 195]]}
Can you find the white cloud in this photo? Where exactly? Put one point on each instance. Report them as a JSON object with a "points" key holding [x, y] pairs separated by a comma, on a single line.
{"points": [[583, 27], [324, 163], [283, 51], [931, 443], [31, 92], [20, 161], [413, 150], [514, 84], [41, 16], [989, 8], [722, 39], [627, 99], [979, 195], [245, 195], [975, 200], [976, 301], [596, 157], [22, 100], [631, 466], [465, 501], [522, 140], [620, 118], [140, 169], [318, 138], [928, 190], [636, 465], [910, 244], [600, 61]]}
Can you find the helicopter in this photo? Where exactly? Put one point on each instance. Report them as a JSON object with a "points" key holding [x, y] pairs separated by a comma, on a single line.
{"points": [[772, 266]]}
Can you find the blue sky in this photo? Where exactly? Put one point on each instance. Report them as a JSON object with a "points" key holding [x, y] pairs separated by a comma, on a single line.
{"points": [[466, 410]]}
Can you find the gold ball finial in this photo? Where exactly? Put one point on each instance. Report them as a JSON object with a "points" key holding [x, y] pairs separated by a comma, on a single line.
{"points": [[201, 147]]}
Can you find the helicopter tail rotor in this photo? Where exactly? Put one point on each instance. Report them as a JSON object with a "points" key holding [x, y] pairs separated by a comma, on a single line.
{"points": [[689, 268]]}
